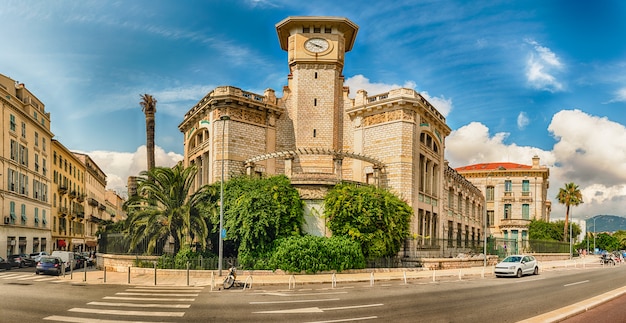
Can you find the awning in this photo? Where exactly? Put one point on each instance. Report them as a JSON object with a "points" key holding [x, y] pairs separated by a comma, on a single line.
{"points": [[91, 243], [61, 243]]}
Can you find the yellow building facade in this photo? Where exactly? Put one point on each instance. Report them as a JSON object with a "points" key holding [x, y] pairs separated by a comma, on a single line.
{"points": [[25, 168]]}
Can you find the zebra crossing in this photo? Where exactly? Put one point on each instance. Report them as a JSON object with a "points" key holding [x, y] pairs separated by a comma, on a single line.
{"points": [[21, 276], [142, 304]]}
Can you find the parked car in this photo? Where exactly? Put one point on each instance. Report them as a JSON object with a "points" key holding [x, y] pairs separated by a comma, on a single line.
{"points": [[49, 265], [27, 261], [66, 256], [16, 261], [5, 264], [37, 255], [517, 266]]}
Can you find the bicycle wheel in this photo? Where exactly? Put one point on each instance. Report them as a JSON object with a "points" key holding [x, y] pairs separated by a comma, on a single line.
{"points": [[228, 282]]}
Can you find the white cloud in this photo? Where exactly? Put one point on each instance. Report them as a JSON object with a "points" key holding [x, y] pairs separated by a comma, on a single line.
{"points": [[541, 66], [360, 82], [590, 151], [522, 120], [620, 96], [118, 166]]}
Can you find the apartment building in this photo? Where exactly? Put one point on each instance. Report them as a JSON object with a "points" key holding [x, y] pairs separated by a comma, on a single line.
{"points": [[515, 194], [26, 150]]}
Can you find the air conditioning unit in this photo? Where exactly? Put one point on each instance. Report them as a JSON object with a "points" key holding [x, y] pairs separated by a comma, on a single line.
{"points": [[7, 220]]}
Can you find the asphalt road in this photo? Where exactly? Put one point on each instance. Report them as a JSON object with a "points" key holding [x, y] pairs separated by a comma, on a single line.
{"points": [[31, 298]]}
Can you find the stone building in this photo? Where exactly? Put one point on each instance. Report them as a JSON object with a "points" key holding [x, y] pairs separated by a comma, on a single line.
{"points": [[317, 135], [515, 195], [24, 161]]}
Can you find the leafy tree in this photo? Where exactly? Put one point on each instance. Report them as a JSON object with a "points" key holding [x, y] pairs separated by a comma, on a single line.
{"points": [[569, 195], [620, 235], [259, 211], [164, 207], [543, 230], [605, 241], [374, 217]]}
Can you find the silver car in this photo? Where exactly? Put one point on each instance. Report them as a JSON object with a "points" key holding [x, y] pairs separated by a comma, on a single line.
{"points": [[517, 266]]}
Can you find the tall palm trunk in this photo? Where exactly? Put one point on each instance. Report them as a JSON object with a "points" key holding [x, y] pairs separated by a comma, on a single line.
{"points": [[148, 105], [565, 234]]}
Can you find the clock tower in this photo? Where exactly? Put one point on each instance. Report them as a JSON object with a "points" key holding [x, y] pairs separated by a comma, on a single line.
{"points": [[316, 47]]}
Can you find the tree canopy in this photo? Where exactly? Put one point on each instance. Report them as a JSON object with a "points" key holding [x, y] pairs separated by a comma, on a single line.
{"points": [[374, 217], [164, 208], [259, 211], [569, 195]]}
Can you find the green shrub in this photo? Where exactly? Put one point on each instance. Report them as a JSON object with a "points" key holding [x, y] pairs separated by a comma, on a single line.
{"points": [[315, 254]]}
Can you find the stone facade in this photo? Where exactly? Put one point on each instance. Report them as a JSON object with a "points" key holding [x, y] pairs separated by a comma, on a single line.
{"points": [[318, 136]]}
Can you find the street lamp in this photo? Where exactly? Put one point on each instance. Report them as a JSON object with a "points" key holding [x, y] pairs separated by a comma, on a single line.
{"points": [[221, 241], [594, 235]]}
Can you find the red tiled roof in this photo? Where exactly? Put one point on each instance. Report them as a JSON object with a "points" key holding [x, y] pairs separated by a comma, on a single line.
{"points": [[493, 166]]}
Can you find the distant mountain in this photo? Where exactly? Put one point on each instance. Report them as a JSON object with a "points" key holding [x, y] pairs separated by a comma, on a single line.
{"points": [[606, 223]]}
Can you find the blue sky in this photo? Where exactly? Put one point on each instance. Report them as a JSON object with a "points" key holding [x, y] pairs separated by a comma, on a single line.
{"points": [[514, 78]]}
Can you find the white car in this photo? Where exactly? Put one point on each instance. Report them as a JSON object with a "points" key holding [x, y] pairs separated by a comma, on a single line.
{"points": [[517, 266], [37, 255]]}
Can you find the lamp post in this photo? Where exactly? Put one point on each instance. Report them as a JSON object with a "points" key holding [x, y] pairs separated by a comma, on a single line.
{"points": [[594, 235], [221, 241], [571, 251], [485, 223]]}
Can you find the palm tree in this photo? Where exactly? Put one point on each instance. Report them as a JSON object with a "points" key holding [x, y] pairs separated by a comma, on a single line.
{"points": [[569, 195], [163, 208], [148, 106]]}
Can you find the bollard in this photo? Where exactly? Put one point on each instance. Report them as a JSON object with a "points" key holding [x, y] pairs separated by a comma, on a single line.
{"points": [[85, 271], [128, 274], [333, 281], [212, 280], [105, 274], [434, 279], [245, 283], [187, 273], [404, 277], [292, 278], [155, 274], [372, 279], [71, 271], [483, 273], [460, 275]]}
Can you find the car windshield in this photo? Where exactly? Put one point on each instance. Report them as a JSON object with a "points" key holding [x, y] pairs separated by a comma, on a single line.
{"points": [[48, 260], [512, 259]]}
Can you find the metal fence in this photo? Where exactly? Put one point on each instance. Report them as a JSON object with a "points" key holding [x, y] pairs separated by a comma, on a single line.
{"points": [[409, 256]]}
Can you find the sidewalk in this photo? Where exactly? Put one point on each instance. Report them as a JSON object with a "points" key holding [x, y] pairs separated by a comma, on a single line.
{"points": [[164, 277]]}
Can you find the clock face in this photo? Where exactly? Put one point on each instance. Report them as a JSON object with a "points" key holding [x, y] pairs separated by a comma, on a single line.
{"points": [[316, 45]]}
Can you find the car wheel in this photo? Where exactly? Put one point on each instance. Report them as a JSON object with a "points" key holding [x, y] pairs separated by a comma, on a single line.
{"points": [[536, 272], [36, 272], [519, 273]]}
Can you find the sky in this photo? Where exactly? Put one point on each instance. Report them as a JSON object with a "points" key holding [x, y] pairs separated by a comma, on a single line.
{"points": [[514, 79]]}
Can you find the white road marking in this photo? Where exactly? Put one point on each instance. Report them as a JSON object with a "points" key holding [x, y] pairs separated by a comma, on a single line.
{"points": [[140, 305], [153, 294], [118, 312], [306, 294], [87, 320], [348, 320], [297, 301], [150, 299], [576, 283], [315, 309]]}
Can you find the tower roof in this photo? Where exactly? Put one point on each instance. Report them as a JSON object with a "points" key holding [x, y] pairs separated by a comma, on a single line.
{"points": [[493, 166], [343, 25]]}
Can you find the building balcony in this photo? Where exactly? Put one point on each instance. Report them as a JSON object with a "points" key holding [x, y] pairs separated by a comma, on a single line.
{"points": [[92, 202], [80, 198], [526, 197], [62, 211], [514, 223], [62, 189], [508, 197], [102, 207], [73, 194]]}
